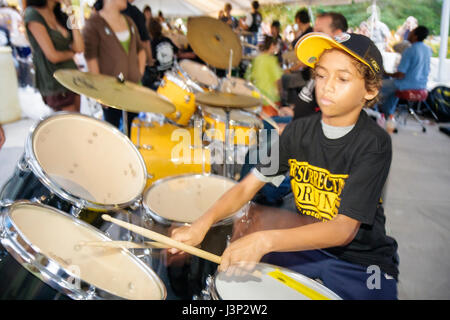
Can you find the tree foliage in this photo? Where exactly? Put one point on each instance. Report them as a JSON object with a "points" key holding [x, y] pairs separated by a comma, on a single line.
{"points": [[392, 12]]}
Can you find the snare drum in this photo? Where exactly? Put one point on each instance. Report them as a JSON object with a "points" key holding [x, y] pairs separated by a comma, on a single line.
{"points": [[180, 94], [275, 283], [41, 258], [168, 150], [244, 126], [177, 201], [76, 162]]}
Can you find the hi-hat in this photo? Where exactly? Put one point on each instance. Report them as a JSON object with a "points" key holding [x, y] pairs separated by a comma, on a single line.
{"points": [[226, 100], [112, 92], [212, 40]]}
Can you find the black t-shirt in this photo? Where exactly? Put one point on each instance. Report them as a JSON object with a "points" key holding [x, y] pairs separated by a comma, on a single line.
{"points": [[345, 176], [256, 22], [139, 20], [163, 51]]}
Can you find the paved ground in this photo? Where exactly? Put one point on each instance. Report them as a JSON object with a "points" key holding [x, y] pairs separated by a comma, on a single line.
{"points": [[417, 201]]}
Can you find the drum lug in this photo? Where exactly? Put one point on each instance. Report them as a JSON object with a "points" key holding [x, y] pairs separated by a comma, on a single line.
{"points": [[136, 205], [90, 293], [75, 211], [39, 200], [23, 165], [150, 176], [178, 115], [187, 98], [6, 203], [146, 147]]}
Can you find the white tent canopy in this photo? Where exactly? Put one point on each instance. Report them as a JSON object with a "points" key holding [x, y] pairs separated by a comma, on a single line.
{"points": [[185, 8]]}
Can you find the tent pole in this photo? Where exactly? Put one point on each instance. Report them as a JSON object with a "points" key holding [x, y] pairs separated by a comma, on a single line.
{"points": [[444, 39]]}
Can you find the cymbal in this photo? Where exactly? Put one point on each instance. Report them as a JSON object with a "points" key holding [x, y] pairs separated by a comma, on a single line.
{"points": [[226, 100], [107, 90], [212, 40]]}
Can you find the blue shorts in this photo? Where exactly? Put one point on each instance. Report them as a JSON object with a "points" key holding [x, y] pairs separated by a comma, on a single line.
{"points": [[349, 281]]}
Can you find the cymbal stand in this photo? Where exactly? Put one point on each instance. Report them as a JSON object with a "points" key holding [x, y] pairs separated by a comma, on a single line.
{"points": [[121, 79]]}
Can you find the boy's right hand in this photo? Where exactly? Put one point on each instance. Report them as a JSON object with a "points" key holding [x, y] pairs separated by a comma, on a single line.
{"points": [[191, 235]]}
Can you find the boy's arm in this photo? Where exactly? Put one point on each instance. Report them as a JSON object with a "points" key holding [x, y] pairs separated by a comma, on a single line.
{"points": [[250, 249]]}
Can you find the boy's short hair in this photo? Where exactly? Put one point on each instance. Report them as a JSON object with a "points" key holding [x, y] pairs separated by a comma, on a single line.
{"points": [[421, 32], [147, 8], [255, 5], [369, 59], [268, 41], [302, 16]]}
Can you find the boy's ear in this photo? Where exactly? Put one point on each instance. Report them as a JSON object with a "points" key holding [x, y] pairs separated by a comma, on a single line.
{"points": [[371, 94]]}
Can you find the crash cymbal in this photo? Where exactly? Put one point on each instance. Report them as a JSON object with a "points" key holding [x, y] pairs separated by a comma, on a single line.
{"points": [[212, 39], [111, 92], [226, 100]]}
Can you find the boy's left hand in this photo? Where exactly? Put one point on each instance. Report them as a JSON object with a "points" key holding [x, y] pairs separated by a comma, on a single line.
{"points": [[242, 255]]}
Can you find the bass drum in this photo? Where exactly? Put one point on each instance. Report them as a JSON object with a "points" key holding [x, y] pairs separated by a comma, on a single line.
{"points": [[80, 165], [169, 150], [42, 257]]}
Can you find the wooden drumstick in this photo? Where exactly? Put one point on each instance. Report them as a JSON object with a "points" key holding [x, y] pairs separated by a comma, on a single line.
{"points": [[270, 121], [124, 244], [164, 240], [272, 104]]}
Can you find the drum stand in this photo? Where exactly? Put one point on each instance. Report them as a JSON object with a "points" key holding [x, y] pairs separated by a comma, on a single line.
{"points": [[226, 167]]}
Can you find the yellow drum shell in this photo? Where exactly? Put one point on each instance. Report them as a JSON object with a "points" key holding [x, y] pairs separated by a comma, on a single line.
{"points": [[174, 88], [243, 125], [169, 150]]}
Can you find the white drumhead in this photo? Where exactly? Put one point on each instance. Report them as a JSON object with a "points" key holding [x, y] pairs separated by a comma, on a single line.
{"points": [[185, 198], [239, 117], [57, 237], [200, 73], [89, 159], [267, 287]]}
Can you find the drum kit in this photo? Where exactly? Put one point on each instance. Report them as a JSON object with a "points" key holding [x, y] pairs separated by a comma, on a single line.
{"points": [[81, 182]]}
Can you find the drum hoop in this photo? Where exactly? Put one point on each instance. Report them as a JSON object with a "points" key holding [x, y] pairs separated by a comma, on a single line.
{"points": [[154, 215], [28, 256], [194, 84], [44, 178], [171, 76], [238, 123], [215, 293]]}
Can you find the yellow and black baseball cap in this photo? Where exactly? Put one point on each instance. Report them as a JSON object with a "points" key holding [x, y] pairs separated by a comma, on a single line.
{"points": [[311, 46]]}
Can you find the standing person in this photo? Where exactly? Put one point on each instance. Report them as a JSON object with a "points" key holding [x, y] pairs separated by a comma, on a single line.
{"points": [[275, 32], [164, 52], [139, 20], [332, 24], [338, 162], [297, 75], [412, 72], [54, 46], [264, 71], [227, 17], [148, 15], [113, 47], [252, 23]]}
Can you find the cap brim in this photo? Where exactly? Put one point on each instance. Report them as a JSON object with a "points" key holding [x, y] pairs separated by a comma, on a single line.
{"points": [[311, 46]]}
